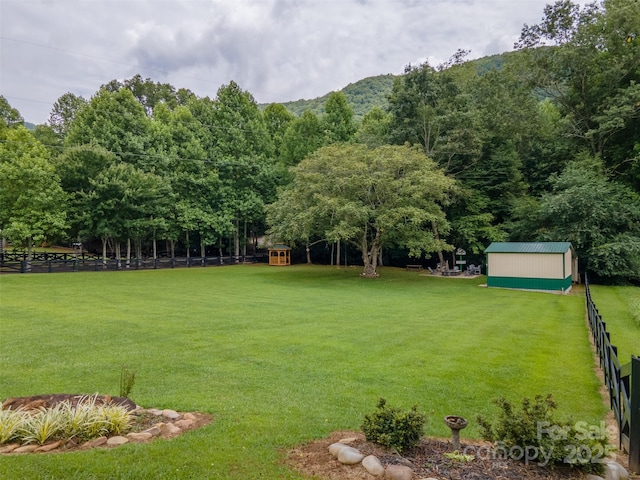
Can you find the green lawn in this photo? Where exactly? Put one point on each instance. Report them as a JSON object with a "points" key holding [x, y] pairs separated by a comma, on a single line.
{"points": [[620, 309], [280, 356]]}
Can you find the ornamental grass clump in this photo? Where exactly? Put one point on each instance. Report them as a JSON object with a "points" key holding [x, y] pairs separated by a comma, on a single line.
{"points": [[11, 423], [391, 427], [83, 421], [45, 424]]}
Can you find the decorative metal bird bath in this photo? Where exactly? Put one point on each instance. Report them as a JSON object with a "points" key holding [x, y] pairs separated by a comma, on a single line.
{"points": [[456, 424]]}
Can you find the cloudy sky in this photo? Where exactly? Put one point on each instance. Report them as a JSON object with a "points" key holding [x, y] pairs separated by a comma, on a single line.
{"points": [[278, 50]]}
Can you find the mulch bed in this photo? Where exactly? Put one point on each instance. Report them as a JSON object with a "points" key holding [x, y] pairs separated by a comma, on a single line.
{"points": [[426, 460]]}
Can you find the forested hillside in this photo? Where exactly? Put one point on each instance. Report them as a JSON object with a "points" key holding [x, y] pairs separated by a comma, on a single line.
{"points": [[362, 96], [541, 144]]}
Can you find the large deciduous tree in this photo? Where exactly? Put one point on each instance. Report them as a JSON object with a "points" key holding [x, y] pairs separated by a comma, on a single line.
{"points": [[391, 195], [586, 60], [64, 111], [32, 203], [117, 122], [600, 217]]}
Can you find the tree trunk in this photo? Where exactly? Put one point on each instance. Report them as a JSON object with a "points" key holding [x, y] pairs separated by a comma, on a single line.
{"points": [[187, 241], [128, 252], [236, 239], [338, 254], [118, 255], [308, 254], [436, 235], [172, 244], [370, 258], [104, 252], [29, 255], [244, 243]]}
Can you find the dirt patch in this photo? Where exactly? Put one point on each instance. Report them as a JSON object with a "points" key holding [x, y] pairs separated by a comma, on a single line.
{"points": [[426, 460], [143, 419]]}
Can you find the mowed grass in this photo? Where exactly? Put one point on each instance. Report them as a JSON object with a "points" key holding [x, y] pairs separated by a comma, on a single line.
{"points": [[281, 356], [620, 310]]}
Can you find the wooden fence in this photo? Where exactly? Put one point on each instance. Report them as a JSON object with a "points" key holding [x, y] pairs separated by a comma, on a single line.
{"points": [[622, 382], [55, 263]]}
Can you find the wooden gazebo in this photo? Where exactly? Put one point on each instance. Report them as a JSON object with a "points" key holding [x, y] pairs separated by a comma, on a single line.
{"points": [[279, 255]]}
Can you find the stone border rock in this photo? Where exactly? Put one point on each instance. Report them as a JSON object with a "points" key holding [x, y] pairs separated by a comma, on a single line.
{"points": [[170, 424], [351, 456]]}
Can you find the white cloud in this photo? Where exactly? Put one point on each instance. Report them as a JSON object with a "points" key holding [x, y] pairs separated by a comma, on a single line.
{"points": [[278, 50]]}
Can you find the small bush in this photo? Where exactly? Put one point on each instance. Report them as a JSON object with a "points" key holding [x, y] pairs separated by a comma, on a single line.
{"points": [[532, 434], [392, 427], [127, 380]]}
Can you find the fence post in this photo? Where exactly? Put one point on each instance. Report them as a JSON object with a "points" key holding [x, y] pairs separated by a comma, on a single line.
{"points": [[634, 424]]}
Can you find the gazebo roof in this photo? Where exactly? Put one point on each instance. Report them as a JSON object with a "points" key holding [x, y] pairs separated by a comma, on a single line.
{"points": [[279, 246]]}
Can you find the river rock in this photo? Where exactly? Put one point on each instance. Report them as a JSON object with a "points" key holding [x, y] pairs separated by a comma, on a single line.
{"points": [[334, 448], [139, 436], [372, 464], [9, 448], [398, 472], [615, 471], [168, 429], [171, 414], [184, 423], [117, 441], [26, 449], [349, 456], [96, 442], [49, 447], [153, 431]]}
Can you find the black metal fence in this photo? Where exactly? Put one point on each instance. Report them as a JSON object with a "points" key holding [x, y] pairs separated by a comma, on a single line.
{"points": [[623, 383], [17, 263]]}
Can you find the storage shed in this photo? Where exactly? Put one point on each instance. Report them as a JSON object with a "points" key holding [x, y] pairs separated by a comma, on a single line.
{"points": [[280, 255], [545, 266]]}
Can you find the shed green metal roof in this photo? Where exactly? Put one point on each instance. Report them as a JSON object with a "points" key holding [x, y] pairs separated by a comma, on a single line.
{"points": [[528, 247]]}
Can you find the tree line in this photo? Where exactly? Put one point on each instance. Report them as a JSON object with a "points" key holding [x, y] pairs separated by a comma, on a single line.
{"points": [[541, 145]]}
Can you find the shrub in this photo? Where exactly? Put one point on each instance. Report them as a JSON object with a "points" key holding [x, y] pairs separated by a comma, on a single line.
{"points": [[392, 427], [533, 434], [127, 380]]}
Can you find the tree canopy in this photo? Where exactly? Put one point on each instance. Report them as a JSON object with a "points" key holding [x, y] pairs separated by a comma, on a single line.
{"points": [[390, 195]]}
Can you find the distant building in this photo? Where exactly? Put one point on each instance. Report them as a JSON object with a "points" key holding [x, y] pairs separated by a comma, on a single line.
{"points": [[547, 266]]}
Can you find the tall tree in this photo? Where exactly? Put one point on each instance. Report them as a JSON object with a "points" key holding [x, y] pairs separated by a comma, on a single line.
{"points": [[277, 118], [337, 120], [600, 217], [592, 72], [64, 111], [303, 136], [243, 155], [117, 122], [32, 203], [9, 116], [149, 93], [369, 197], [373, 130]]}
